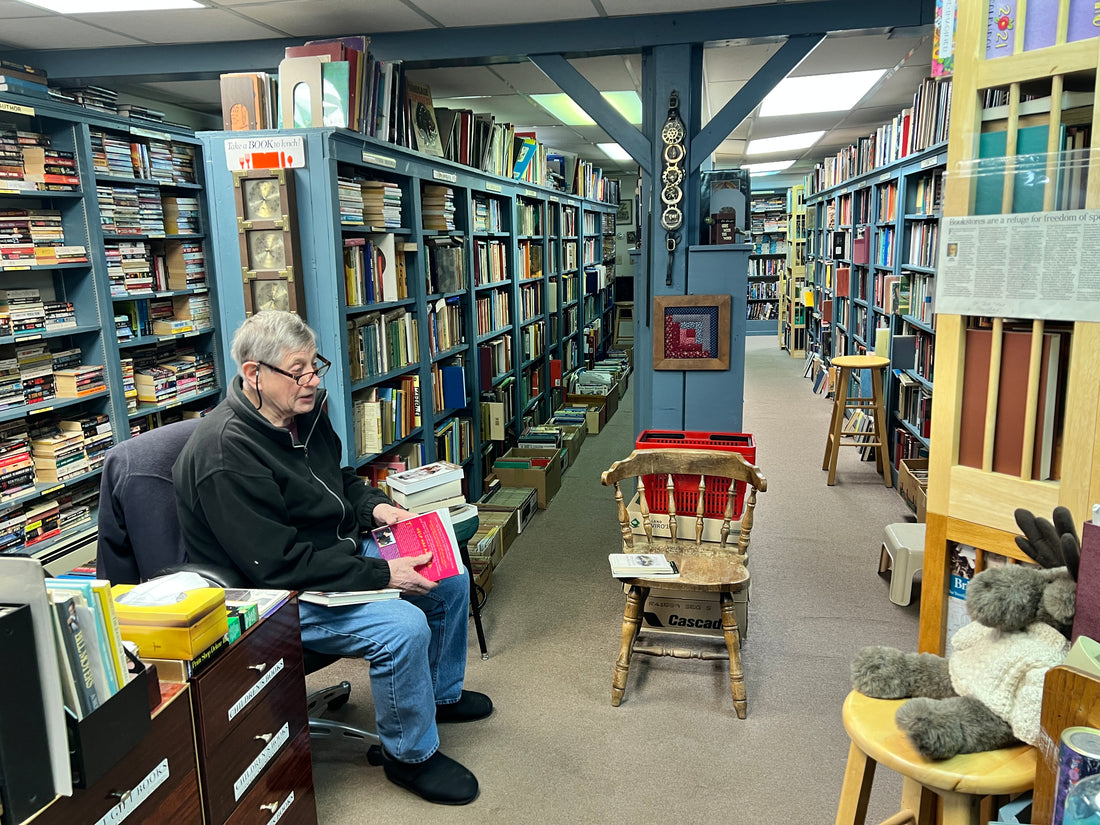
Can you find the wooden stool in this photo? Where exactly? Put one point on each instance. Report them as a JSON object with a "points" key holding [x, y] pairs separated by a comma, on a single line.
{"points": [[967, 784], [845, 365], [624, 323], [903, 555]]}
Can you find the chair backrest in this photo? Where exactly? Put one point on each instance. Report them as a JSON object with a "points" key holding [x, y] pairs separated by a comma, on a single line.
{"points": [[683, 474], [139, 533]]}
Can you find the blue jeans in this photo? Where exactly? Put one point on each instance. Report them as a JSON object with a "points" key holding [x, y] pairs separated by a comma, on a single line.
{"points": [[416, 646]]}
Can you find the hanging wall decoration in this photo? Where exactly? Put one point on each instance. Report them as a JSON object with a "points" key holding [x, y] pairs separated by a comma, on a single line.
{"points": [[267, 231], [691, 332]]}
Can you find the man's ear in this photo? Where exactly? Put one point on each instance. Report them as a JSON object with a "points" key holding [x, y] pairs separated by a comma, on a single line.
{"points": [[252, 375]]}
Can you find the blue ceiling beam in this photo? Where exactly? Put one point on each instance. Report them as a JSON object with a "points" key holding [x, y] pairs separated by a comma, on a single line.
{"points": [[495, 44], [585, 95], [749, 96]]}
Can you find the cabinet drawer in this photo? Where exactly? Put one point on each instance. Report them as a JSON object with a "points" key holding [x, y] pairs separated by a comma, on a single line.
{"points": [[285, 790], [251, 748], [254, 669], [159, 774]]}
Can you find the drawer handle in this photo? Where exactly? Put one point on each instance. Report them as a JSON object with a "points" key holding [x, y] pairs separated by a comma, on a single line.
{"points": [[122, 796], [260, 668], [270, 807], [265, 737]]}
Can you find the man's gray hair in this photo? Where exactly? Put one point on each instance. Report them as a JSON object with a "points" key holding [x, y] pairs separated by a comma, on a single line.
{"points": [[269, 335]]}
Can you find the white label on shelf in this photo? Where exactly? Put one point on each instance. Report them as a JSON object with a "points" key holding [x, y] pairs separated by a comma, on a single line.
{"points": [[531, 193], [494, 187], [132, 799], [1031, 265], [449, 177], [924, 164], [256, 689], [885, 176], [379, 160], [15, 108], [265, 153], [282, 809], [149, 133], [553, 199], [260, 762]]}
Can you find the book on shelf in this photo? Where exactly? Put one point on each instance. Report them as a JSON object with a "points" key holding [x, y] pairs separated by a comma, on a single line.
{"points": [[439, 492], [426, 533], [342, 597], [422, 478], [77, 676], [648, 565]]}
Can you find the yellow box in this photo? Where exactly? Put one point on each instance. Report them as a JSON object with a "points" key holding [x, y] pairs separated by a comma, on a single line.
{"points": [[173, 631]]}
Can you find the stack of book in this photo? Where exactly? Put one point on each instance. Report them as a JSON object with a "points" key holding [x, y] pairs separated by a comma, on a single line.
{"points": [[160, 153], [76, 504], [181, 214], [94, 97], [541, 435], [186, 265], [22, 311], [111, 156], [58, 453], [16, 463], [95, 429], [381, 203], [438, 208], [50, 169], [183, 163], [13, 527], [129, 387], [571, 416], [155, 384], [431, 487], [77, 382], [59, 315], [350, 198], [11, 386], [35, 372]]}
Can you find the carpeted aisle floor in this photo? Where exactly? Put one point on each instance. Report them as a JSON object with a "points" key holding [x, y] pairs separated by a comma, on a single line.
{"points": [[557, 752]]}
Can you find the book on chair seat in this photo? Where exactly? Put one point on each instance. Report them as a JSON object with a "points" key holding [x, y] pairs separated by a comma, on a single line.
{"points": [[649, 565]]}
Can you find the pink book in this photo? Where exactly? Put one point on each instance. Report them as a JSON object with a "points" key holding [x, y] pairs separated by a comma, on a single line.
{"points": [[428, 533]]}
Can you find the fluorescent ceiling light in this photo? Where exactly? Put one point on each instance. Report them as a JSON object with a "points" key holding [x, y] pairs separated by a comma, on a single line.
{"points": [[562, 106], [819, 93], [770, 166], [94, 6], [616, 152], [784, 143]]}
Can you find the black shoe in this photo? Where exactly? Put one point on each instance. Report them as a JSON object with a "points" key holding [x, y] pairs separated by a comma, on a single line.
{"points": [[438, 779], [469, 708]]}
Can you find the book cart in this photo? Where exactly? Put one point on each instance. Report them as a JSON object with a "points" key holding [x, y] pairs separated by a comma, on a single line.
{"points": [[126, 292], [494, 285], [974, 505]]}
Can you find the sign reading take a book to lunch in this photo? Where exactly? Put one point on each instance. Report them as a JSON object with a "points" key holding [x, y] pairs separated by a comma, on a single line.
{"points": [[287, 152]]}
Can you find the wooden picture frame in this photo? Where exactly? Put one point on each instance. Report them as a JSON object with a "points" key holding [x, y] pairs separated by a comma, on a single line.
{"points": [[626, 211], [267, 236], [691, 332]]}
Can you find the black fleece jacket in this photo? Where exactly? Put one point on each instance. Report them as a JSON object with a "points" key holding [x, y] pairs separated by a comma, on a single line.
{"points": [[284, 512]]}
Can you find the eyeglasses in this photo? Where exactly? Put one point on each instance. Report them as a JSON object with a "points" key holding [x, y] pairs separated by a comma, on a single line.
{"points": [[305, 377]]}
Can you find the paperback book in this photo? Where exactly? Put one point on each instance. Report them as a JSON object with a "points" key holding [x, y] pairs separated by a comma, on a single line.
{"points": [[422, 478], [339, 597], [427, 533], [649, 565]]}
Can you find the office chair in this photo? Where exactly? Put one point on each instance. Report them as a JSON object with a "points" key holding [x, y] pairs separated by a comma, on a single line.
{"points": [[143, 540]]}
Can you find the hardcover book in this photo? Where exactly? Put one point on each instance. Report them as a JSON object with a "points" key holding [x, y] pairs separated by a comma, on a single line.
{"points": [[340, 597], [421, 478], [649, 565], [428, 533]]}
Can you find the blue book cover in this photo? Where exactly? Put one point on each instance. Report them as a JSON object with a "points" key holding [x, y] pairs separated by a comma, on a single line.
{"points": [[454, 387]]}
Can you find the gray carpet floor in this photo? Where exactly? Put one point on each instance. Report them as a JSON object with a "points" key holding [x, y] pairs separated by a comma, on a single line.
{"points": [[556, 751]]}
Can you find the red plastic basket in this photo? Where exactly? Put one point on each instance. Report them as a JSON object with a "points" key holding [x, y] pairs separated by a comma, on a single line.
{"points": [[686, 487]]}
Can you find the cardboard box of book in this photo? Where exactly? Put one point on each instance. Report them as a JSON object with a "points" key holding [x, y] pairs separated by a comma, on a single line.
{"points": [[483, 578], [600, 408], [523, 501], [574, 438], [507, 521], [530, 467], [181, 630], [913, 484], [486, 547], [700, 615], [685, 525]]}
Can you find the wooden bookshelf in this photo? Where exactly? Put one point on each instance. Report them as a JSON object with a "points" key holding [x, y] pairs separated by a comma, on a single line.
{"points": [[974, 505]]}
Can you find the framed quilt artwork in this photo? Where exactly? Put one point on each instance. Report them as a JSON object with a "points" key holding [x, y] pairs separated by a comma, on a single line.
{"points": [[691, 332]]}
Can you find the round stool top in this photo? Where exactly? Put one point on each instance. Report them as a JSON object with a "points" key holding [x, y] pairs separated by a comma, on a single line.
{"points": [[871, 727], [859, 362]]}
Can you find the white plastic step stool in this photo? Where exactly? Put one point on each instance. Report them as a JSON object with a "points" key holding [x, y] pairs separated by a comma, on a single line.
{"points": [[903, 554]]}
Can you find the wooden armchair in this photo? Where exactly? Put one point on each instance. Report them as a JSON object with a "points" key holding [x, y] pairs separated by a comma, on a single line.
{"points": [[704, 566]]}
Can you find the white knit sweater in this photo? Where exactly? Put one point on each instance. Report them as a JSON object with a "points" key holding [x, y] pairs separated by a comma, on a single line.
{"points": [[1004, 671]]}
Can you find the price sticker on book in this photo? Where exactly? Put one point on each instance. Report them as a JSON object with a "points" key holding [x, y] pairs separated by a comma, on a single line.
{"points": [[265, 153]]}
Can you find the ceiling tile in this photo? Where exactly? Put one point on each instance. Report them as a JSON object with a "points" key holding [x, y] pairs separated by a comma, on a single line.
{"points": [[495, 13], [10, 9], [898, 90], [859, 53], [611, 73], [183, 26], [54, 30], [732, 62], [462, 81], [525, 77], [321, 18], [624, 7]]}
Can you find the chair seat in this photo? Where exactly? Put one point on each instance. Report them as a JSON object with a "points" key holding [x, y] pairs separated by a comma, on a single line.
{"points": [[698, 570], [870, 725]]}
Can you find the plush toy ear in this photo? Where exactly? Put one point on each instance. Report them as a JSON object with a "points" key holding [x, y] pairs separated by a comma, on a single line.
{"points": [[1050, 545]]}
